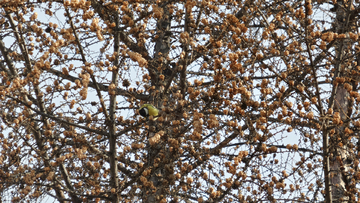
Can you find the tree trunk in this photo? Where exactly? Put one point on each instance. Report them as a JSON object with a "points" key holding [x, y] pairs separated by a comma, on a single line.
{"points": [[339, 153], [156, 192]]}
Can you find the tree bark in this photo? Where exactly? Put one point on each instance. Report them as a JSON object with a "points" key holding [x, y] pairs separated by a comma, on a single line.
{"points": [[338, 146], [161, 53]]}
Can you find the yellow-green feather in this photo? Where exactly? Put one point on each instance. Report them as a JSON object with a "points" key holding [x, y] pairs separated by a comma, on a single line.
{"points": [[152, 110]]}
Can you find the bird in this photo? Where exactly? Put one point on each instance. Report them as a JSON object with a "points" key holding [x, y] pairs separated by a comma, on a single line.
{"points": [[147, 110]]}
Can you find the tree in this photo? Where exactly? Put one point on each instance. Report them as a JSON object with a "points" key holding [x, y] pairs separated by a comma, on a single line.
{"points": [[258, 101]]}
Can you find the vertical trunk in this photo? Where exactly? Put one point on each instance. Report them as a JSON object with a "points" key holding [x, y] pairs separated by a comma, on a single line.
{"points": [[338, 146], [161, 52], [338, 150], [114, 183]]}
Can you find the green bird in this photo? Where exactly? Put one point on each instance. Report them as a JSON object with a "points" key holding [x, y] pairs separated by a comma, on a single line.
{"points": [[147, 110]]}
